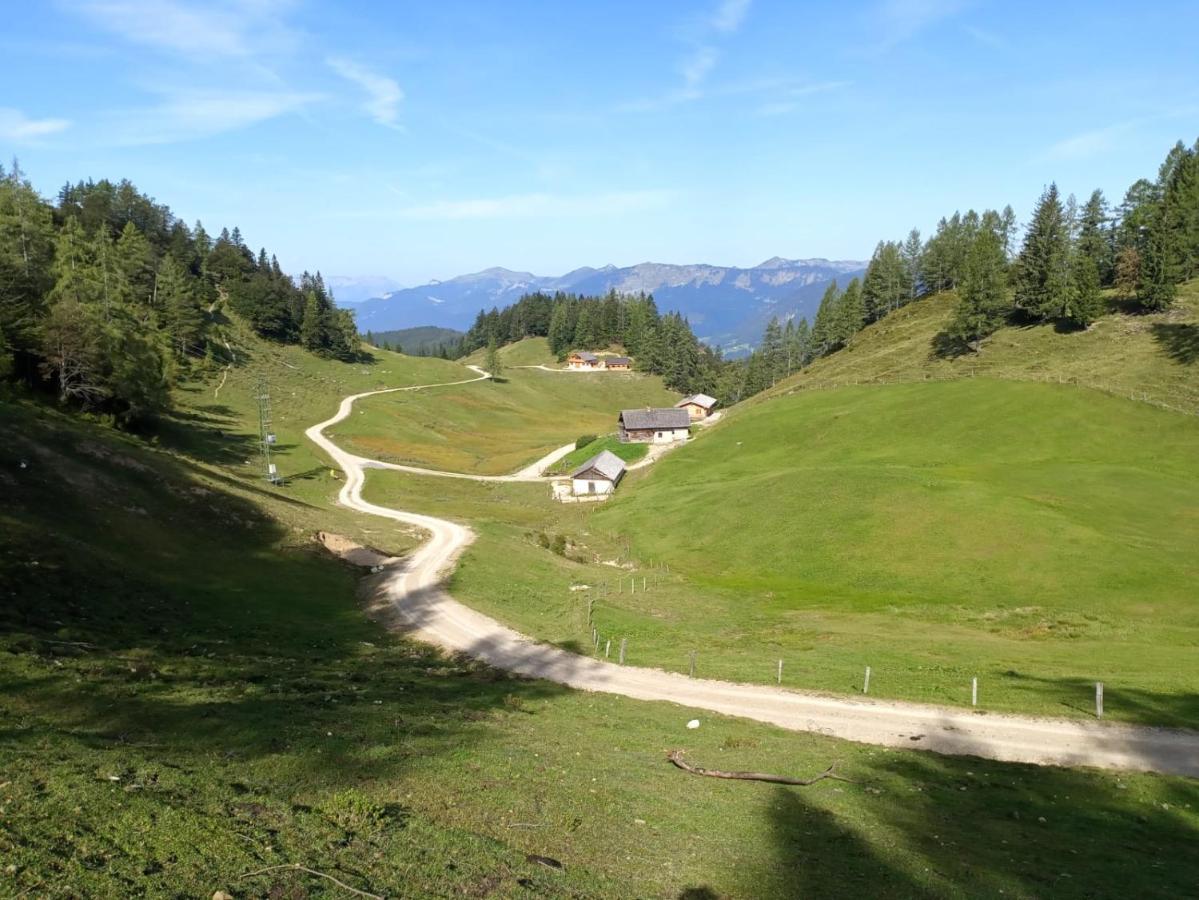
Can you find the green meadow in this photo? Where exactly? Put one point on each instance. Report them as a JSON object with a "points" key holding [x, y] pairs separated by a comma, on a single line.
{"points": [[194, 701], [493, 428]]}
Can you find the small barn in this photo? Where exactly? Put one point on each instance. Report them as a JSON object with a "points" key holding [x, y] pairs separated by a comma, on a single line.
{"points": [[654, 426], [698, 406], [581, 359], [618, 363], [599, 475]]}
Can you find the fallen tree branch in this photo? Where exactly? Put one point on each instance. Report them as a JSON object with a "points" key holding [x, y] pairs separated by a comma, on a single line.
{"points": [[676, 757], [296, 867]]}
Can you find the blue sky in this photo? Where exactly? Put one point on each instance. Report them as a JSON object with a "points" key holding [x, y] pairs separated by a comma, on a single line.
{"points": [[424, 140]]}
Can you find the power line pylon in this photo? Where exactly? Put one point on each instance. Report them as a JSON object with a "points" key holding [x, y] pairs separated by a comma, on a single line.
{"points": [[266, 432]]}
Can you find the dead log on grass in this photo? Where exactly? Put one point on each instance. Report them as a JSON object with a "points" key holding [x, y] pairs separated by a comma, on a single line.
{"points": [[676, 757]]}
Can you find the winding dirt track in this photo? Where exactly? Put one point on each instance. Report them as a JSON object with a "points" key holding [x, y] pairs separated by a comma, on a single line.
{"points": [[423, 608]]}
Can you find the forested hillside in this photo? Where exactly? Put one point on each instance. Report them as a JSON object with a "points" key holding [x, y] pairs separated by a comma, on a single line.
{"points": [[1057, 274], [107, 298]]}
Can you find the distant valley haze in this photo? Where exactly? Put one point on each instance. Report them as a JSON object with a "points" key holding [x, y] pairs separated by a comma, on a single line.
{"points": [[726, 305]]}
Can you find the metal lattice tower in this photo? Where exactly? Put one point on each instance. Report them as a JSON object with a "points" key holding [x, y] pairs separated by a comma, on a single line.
{"points": [[266, 432]]}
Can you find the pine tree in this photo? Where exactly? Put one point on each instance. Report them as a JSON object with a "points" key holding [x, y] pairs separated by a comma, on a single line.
{"points": [[491, 362], [1159, 274], [851, 313], [824, 330], [312, 330], [135, 266], [983, 301], [560, 334], [913, 251], [1092, 236], [1042, 269], [181, 314], [1086, 302], [772, 351]]}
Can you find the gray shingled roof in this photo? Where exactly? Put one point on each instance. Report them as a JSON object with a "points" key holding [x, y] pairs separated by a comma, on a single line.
{"points": [[655, 419], [618, 360], [606, 463], [701, 400], [584, 355]]}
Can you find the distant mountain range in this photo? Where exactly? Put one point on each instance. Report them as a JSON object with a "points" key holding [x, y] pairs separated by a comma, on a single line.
{"points": [[726, 305]]}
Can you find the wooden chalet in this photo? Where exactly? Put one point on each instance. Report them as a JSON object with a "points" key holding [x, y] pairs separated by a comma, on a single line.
{"points": [[698, 406], [654, 426], [581, 359]]}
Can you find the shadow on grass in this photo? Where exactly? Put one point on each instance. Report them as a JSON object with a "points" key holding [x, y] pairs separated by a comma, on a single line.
{"points": [[1180, 710], [1180, 341], [146, 608]]}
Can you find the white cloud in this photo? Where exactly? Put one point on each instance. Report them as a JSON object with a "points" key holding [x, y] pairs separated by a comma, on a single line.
{"points": [[728, 15], [383, 93], [538, 205], [191, 115], [232, 28], [17, 127]]}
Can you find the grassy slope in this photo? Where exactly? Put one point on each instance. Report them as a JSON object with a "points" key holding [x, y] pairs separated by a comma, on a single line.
{"points": [[1150, 356], [495, 428], [1075, 564], [168, 724], [630, 453]]}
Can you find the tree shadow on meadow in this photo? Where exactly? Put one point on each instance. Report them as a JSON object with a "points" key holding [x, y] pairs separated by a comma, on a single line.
{"points": [[153, 614], [1180, 341]]}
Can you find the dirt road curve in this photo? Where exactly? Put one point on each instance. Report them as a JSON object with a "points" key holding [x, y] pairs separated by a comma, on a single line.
{"points": [[423, 608]]}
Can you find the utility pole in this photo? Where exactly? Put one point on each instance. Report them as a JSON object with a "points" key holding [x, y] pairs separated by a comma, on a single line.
{"points": [[266, 433]]}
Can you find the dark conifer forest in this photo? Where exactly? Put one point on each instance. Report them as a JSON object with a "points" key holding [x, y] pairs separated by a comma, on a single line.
{"points": [[107, 298]]}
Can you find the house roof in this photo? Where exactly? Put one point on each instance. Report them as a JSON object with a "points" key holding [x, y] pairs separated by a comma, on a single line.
{"points": [[648, 419], [606, 463], [701, 400], [584, 355], [618, 361]]}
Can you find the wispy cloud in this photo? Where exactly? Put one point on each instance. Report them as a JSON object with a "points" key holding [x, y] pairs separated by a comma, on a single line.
{"points": [[897, 21], [701, 35], [986, 38], [17, 127], [792, 98], [1097, 141], [728, 15], [383, 94], [232, 28], [541, 205], [192, 115]]}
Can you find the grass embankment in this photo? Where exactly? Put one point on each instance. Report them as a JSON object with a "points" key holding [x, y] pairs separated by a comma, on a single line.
{"points": [[630, 453], [493, 428], [1038, 537], [1148, 356], [215, 426], [190, 695]]}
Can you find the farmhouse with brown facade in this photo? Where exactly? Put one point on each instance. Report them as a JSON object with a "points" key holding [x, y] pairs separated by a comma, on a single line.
{"points": [[698, 406]]}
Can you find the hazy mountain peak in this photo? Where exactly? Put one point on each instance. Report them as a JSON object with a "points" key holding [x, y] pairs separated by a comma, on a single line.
{"points": [[727, 305]]}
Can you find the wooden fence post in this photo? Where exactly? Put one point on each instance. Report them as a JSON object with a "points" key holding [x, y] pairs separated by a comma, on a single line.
{"points": [[974, 691], [692, 673], [1098, 699], [780, 674], [866, 682], [623, 642], [608, 648]]}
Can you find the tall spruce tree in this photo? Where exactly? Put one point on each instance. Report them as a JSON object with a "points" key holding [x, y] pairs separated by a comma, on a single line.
{"points": [[983, 295], [1042, 269]]}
